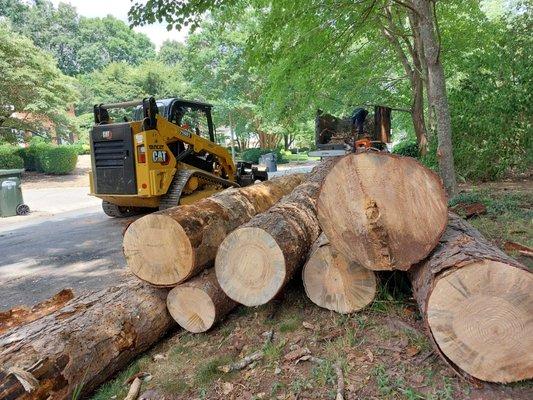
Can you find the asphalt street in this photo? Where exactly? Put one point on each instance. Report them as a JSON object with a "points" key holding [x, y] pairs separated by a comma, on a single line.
{"points": [[66, 242]]}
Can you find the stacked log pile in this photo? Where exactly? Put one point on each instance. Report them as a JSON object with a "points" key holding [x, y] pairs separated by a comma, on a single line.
{"points": [[336, 228]]}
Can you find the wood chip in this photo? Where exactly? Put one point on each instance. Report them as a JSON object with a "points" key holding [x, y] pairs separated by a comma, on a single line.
{"points": [[135, 388], [258, 355]]}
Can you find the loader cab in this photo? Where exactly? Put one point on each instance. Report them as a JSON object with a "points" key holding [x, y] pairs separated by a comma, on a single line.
{"points": [[193, 115]]}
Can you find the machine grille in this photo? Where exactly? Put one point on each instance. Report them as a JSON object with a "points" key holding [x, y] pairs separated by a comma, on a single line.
{"points": [[109, 154]]}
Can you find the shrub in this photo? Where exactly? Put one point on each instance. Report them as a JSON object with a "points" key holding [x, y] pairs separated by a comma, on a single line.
{"points": [[253, 155], [408, 148], [58, 160], [9, 158], [31, 155], [81, 148]]}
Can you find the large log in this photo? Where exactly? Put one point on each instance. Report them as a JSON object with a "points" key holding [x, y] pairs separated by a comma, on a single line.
{"points": [[255, 261], [335, 283], [478, 305], [383, 211], [168, 247], [199, 303], [84, 343]]}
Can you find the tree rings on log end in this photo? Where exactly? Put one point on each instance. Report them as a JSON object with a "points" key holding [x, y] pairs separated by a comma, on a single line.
{"points": [[333, 282], [250, 266], [191, 308], [383, 211], [481, 318], [158, 250]]}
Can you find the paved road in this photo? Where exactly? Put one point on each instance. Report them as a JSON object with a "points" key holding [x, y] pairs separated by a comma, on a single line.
{"points": [[78, 249], [66, 242]]}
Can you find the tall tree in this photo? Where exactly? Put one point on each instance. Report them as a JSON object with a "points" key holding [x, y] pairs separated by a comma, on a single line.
{"points": [[79, 44], [34, 94]]}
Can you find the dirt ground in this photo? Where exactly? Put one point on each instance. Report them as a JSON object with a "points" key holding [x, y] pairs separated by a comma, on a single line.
{"points": [[384, 350]]}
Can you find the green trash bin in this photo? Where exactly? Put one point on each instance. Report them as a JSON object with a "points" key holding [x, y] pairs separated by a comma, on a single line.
{"points": [[11, 202]]}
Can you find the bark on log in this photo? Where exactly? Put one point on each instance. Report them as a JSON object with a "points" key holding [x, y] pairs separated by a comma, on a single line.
{"points": [[381, 210], [84, 343], [477, 303], [199, 303], [333, 282], [255, 261], [168, 247]]}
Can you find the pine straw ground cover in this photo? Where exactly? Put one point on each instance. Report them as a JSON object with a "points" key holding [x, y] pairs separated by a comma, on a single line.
{"points": [[383, 350]]}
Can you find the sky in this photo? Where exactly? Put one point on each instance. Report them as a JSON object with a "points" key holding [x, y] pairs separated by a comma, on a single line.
{"points": [[119, 9]]}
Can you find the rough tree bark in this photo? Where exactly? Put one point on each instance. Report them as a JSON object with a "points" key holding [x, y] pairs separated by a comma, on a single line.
{"points": [[437, 88], [383, 211], [256, 260], [84, 343], [199, 303], [170, 246], [477, 303]]}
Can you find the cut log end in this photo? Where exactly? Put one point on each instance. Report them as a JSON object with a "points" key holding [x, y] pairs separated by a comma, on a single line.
{"points": [[398, 215], [486, 308], [158, 250], [250, 266], [192, 308], [333, 282]]}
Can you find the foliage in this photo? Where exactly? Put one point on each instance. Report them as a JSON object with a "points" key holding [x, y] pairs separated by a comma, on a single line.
{"points": [[9, 158], [79, 44], [491, 117], [32, 155], [121, 82], [253, 155], [34, 94], [58, 160], [408, 148]]}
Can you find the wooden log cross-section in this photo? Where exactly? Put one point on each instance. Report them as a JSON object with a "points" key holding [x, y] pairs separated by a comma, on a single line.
{"points": [[168, 247], [333, 282], [199, 303], [256, 260], [478, 305], [384, 211], [82, 344]]}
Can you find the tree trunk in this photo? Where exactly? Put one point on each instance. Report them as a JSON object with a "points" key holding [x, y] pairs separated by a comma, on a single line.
{"points": [[477, 303], [168, 247], [84, 343], [255, 261], [383, 211], [414, 73], [200, 303], [333, 282], [438, 96]]}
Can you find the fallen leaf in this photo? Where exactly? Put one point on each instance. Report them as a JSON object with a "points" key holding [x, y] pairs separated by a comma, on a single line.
{"points": [[369, 355], [295, 354], [227, 387], [159, 357], [308, 325], [417, 378], [412, 351]]}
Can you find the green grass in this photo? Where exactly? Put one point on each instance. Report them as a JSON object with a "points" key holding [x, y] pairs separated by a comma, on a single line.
{"points": [[290, 324], [116, 387], [509, 215], [207, 371]]}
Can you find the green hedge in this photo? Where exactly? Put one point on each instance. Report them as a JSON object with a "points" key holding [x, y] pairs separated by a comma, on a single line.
{"points": [[44, 157], [408, 148], [253, 155], [9, 157], [58, 160]]}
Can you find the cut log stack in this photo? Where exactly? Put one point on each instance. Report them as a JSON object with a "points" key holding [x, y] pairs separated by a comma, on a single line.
{"points": [[337, 228]]}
